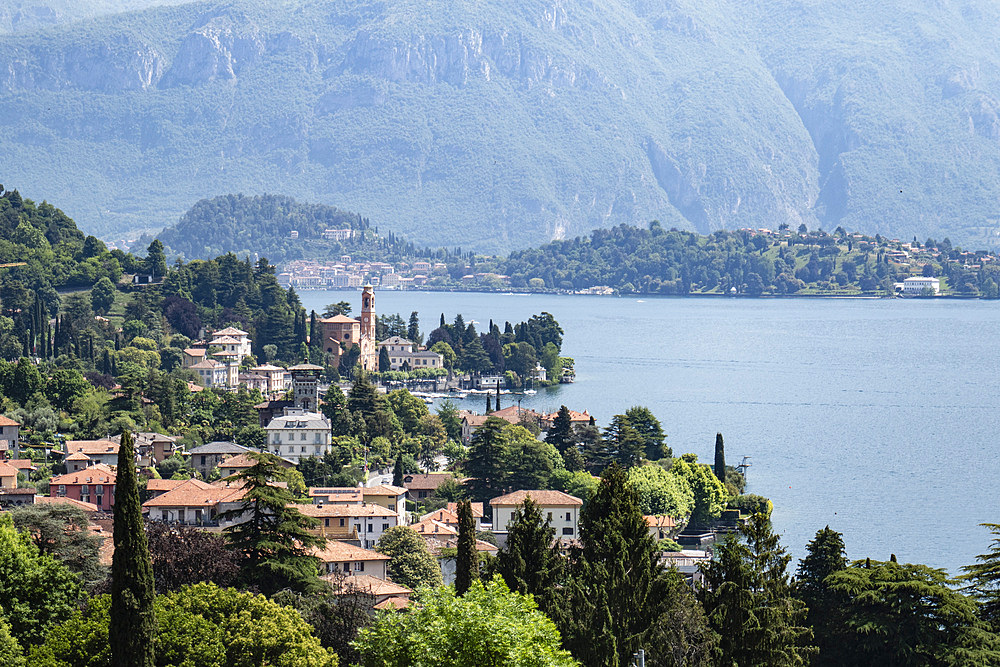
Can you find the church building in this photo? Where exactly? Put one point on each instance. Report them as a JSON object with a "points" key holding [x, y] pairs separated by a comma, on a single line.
{"points": [[340, 332]]}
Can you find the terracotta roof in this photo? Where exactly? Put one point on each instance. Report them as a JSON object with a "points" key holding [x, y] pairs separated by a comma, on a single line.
{"points": [[267, 368], [58, 500], [428, 482], [195, 351], [515, 413], [475, 420], [384, 490], [95, 474], [78, 456], [7, 471], [477, 509], [91, 447], [432, 527], [339, 319], [207, 363], [238, 461], [334, 510], [19, 491], [662, 521], [195, 493], [163, 484], [397, 603], [230, 331], [224, 340], [365, 583], [544, 498], [195, 387], [336, 552], [574, 416], [6, 421], [444, 516], [21, 464]]}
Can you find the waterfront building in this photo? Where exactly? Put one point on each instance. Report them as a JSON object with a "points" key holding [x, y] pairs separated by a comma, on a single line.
{"points": [[916, 286]]}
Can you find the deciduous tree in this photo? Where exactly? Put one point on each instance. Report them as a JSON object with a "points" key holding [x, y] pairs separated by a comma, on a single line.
{"points": [[410, 563], [489, 625]]}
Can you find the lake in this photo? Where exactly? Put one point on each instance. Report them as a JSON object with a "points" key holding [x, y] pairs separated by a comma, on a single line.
{"points": [[877, 417]]}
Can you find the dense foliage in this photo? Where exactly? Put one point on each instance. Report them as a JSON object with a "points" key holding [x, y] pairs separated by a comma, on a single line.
{"points": [[489, 625]]}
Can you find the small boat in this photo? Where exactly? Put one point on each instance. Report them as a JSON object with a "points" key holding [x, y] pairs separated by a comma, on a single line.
{"points": [[530, 392]]}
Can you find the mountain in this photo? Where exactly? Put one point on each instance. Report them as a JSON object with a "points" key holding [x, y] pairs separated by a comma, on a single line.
{"points": [[497, 125]]}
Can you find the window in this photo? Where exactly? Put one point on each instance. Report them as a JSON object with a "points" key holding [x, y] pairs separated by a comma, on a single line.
{"points": [[359, 566], [100, 489], [569, 516], [84, 489], [62, 489], [100, 501], [567, 531], [180, 515], [302, 436], [385, 527], [342, 523], [203, 459], [347, 567], [370, 528], [550, 516], [326, 523], [302, 449], [318, 448], [357, 527], [392, 507]]}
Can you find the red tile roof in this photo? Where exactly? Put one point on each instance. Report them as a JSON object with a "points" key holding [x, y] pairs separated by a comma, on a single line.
{"points": [[661, 521], [428, 482], [91, 447], [477, 509], [544, 498], [95, 474], [6, 421], [384, 490], [364, 583], [333, 510], [336, 552], [397, 603], [195, 493], [59, 500]]}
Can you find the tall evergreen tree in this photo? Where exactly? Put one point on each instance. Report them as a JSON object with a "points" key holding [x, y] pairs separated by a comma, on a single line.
{"points": [[397, 472], [413, 329], [983, 579], [384, 362], [616, 588], [649, 429], [489, 404], [748, 600], [560, 435], [273, 537], [720, 458], [824, 556], [487, 463], [622, 443], [467, 560], [133, 620], [529, 561]]}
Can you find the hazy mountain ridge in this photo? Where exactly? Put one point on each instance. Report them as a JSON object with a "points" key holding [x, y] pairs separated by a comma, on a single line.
{"points": [[496, 127]]}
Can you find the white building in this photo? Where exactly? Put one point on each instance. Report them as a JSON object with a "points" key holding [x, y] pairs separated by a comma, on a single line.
{"points": [[402, 355], [298, 434], [560, 510], [233, 342], [916, 286], [212, 373]]}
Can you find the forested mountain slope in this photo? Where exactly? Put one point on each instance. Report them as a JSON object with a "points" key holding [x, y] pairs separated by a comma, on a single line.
{"points": [[500, 125]]}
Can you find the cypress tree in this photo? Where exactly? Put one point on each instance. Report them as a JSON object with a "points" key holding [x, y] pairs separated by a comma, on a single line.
{"points": [[560, 435], [467, 563], [720, 458], [487, 463], [498, 396], [489, 404], [397, 472], [133, 621]]}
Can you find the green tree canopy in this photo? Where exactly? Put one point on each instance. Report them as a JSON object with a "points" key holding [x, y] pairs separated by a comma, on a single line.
{"points": [[661, 492], [824, 556], [199, 625], [649, 429], [489, 625], [709, 493], [10, 649], [487, 463], [273, 537], [36, 590], [529, 561], [410, 563], [63, 531], [902, 614], [982, 579], [748, 600]]}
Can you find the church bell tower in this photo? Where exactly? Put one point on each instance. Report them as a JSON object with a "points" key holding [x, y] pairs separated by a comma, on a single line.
{"points": [[369, 349]]}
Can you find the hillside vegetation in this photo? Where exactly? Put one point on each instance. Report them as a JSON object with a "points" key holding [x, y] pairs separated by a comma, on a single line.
{"points": [[504, 125]]}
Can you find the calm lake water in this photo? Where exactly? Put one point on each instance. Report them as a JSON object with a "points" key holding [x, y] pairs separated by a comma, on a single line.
{"points": [[875, 417]]}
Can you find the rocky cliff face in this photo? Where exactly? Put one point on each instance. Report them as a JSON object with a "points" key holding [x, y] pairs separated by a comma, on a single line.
{"points": [[500, 125]]}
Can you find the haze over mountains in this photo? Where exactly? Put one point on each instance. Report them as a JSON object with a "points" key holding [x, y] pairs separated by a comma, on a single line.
{"points": [[497, 125]]}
